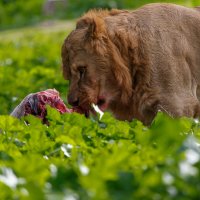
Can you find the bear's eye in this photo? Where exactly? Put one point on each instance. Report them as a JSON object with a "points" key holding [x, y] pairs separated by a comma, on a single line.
{"points": [[81, 70]]}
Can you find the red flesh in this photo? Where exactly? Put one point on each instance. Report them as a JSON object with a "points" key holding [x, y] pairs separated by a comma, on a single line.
{"points": [[36, 105]]}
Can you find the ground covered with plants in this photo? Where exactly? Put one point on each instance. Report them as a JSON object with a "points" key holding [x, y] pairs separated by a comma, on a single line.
{"points": [[78, 158]]}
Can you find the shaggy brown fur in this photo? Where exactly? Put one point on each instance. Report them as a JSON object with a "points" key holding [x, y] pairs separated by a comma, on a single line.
{"points": [[136, 63]]}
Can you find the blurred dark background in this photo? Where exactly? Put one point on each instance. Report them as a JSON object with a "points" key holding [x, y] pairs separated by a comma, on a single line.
{"points": [[17, 13]]}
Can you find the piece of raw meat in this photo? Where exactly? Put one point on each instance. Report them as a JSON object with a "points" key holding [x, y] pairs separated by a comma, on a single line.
{"points": [[35, 104]]}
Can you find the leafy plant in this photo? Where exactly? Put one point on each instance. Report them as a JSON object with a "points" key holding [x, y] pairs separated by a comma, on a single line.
{"points": [[83, 158]]}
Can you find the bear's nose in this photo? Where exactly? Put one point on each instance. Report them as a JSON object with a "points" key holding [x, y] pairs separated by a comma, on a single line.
{"points": [[73, 100]]}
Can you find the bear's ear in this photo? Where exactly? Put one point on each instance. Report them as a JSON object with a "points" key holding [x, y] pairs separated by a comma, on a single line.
{"points": [[95, 26]]}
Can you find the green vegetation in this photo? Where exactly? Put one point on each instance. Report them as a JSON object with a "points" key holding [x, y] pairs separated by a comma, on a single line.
{"points": [[15, 13], [79, 158], [30, 61]]}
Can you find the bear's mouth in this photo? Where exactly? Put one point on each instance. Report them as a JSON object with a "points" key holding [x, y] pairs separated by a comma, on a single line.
{"points": [[102, 103]]}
